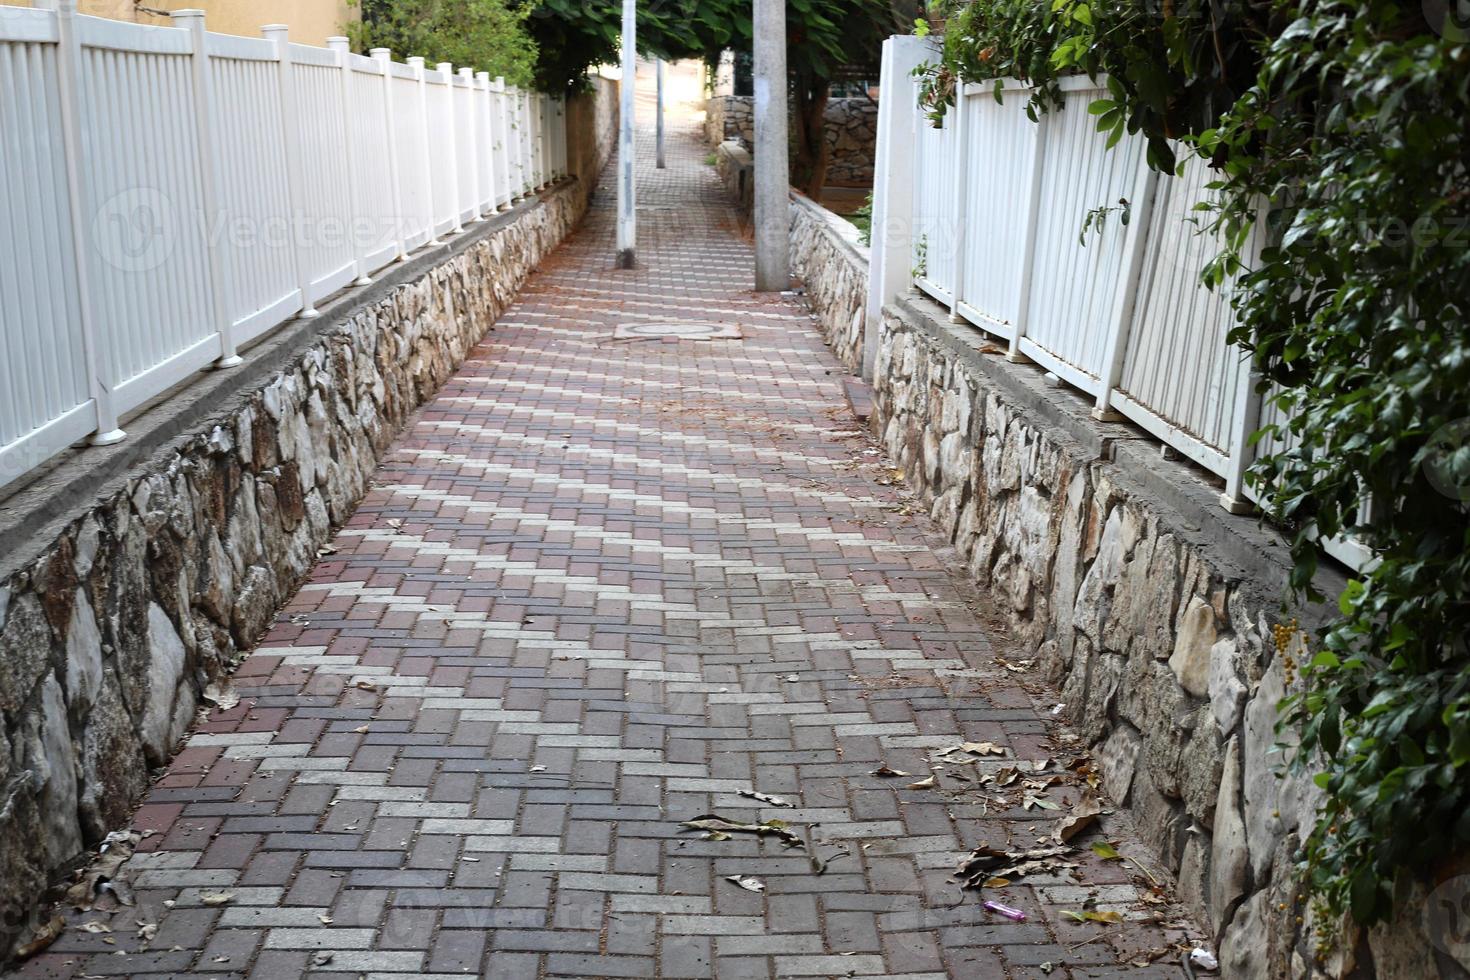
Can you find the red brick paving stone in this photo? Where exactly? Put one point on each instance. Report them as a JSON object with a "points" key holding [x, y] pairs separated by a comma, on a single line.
{"points": [[596, 589]]}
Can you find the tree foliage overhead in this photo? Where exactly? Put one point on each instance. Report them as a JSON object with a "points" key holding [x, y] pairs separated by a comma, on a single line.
{"points": [[573, 36], [1343, 121], [487, 35]]}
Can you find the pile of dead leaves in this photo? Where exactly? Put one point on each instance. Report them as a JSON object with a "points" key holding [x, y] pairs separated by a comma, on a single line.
{"points": [[987, 867], [100, 886]]}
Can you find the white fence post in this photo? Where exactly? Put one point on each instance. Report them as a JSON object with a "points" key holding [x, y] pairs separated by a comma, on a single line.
{"points": [[351, 150], [1028, 252], [279, 35], [384, 58], [1121, 319], [528, 146], [500, 134], [561, 135], [543, 138], [472, 96], [447, 70], [961, 197], [209, 181], [69, 64], [416, 62], [485, 119], [1245, 422], [517, 144], [893, 190]]}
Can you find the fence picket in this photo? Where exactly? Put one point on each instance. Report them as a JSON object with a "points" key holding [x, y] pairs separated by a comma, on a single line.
{"points": [[278, 34], [350, 153], [69, 65], [204, 119]]}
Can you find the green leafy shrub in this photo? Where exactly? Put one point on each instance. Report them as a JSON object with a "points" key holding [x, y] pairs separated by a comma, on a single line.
{"points": [[1355, 136], [1344, 125], [487, 35]]}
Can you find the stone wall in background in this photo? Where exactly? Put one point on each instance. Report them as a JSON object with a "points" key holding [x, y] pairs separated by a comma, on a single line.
{"points": [[117, 612], [851, 132], [737, 173], [1155, 614], [827, 256], [592, 132]]}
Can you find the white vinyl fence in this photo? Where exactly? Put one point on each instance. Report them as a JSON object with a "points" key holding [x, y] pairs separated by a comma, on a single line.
{"points": [[1077, 256], [1000, 204], [171, 194]]}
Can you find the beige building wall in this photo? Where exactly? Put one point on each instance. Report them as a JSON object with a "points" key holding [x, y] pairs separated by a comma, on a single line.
{"points": [[311, 21]]}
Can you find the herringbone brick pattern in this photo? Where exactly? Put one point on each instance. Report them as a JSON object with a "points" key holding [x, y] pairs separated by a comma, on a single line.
{"points": [[600, 588]]}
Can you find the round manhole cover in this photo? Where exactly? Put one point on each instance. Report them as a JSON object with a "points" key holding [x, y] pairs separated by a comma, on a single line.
{"points": [[677, 331]]}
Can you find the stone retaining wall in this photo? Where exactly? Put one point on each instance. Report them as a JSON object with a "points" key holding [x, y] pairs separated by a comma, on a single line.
{"points": [[122, 598], [826, 255], [851, 131], [1155, 615], [1151, 610]]}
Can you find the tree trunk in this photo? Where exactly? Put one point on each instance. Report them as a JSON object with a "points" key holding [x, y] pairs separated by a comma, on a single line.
{"points": [[810, 166]]}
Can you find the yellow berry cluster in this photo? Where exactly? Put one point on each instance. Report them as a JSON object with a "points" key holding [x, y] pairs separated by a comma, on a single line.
{"points": [[1282, 635]]}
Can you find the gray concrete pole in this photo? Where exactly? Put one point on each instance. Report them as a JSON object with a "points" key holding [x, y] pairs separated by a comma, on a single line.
{"points": [[627, 209], [772, 179], [660, 130]]}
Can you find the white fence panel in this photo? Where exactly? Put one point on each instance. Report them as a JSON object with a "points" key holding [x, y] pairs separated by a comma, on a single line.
{"points": [[936, 224], [528, 137], [1002, 147], [466, 137], [178, 193], [484, 103], [45, 401], [1180, 379], [999, 205], [150, 284], [375, 217], [321, 229], [1076, 276], [413, 157], [438, 97], [503, 136], [253, 232]]}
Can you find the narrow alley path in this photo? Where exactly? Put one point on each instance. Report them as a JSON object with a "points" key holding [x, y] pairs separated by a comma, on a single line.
{"points": [[601, 587]]}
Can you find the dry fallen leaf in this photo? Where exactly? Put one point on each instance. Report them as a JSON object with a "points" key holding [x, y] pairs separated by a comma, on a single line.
{"points": [[44, 936], [884, 771], [985, 863], [751, 794], [222, 695], [216, 898], [1083, 815], [929, 783], [716, 824], [749, 884]]}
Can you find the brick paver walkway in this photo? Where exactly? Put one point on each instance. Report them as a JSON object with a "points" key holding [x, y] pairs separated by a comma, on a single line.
{"points": [[598, 589]]}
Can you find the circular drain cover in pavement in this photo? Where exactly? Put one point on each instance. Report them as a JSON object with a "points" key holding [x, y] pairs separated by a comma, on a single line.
{"points": [[677, 331]]}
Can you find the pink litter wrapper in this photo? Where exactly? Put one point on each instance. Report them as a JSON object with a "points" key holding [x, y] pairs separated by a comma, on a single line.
{"points": [[1015, 915]]}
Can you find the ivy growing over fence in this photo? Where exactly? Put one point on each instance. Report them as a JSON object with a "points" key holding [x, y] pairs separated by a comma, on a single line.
{"points": [[1342, 124]]}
